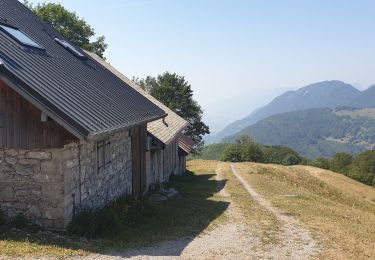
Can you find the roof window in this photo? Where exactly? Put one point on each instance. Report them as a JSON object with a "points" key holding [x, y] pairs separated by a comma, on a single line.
{"points": [[70, 48], [19, 36]]}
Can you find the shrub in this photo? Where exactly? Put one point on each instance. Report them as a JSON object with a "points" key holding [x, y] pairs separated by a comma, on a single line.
{"points": [[232, 153], [363, 168], [341, 162], [281, 155], [321, 162], [110, 220], [291, 159], [244, 150]]}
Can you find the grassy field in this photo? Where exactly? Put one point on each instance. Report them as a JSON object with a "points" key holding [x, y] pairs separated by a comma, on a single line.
{"points": [[196, 209], [366, 112], [339, 210], [251, 212]]}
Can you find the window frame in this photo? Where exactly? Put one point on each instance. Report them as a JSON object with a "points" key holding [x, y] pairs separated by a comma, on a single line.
{"points": [[71, 48], [32, 43], [103, 154]]}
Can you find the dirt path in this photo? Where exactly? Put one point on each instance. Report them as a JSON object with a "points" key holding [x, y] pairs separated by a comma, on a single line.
{"points": [[296, 241], [233, 240], [226, 241]]}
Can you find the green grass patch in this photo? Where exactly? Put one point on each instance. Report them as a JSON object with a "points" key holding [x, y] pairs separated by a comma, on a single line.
{"points": [[127, 223]]}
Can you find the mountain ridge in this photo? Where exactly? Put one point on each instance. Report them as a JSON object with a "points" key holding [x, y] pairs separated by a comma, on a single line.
{"points": [[325, 94], [316, 132]]}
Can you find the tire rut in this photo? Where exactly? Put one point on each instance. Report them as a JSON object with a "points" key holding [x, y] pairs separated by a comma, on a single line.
{"points": [[296, 242]]}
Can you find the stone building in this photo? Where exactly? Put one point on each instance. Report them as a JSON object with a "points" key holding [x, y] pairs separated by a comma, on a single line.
{"points": [[73, 135], [167, 147]]}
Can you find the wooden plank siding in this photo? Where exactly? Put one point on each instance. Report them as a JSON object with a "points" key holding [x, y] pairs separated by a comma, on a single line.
{"points": [[162, 162], [21, 126], [138, 142]]}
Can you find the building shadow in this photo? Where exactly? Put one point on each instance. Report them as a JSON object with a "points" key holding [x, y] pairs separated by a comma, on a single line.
{"points": [[167, 232]]}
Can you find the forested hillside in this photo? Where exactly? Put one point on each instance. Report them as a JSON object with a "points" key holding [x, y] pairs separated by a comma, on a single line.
{"points": [[327, 94], [318, 95], [316, 132]]}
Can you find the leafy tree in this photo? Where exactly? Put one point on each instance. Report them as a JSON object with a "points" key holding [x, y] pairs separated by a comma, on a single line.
{"points": [[232, 153], [291, 159], [244, 150], [363, 168], [323, 163], [251, 152], [176, 93], [341, 162], [70, 26], [281, 155], [211, 152]]}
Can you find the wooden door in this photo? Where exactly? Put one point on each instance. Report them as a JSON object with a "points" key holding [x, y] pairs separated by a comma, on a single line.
{"points": [[138, 142]]}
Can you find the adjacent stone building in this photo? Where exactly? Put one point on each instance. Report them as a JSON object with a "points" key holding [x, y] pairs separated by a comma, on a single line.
{"points": [[167, 146]]}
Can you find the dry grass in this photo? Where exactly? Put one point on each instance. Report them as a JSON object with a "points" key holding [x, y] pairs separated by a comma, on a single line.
{"points": [[251, 213], [202, 166], [24, 244], [331, 205], [197, 209], [339, 211]]}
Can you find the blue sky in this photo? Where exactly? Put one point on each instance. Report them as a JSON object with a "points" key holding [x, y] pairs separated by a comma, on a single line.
{"points": [[237, 55]]}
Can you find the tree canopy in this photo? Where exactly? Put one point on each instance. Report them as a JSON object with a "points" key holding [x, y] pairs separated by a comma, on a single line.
{"points": [[72, 27], [176, 93], [341, 162], [244, 150], [363, 168]]}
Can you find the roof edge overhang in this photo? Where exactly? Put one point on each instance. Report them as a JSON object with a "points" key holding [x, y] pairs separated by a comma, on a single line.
{"points": [[176, 135], [182, 152], [186, 145], [41, 103], [105, 133]]}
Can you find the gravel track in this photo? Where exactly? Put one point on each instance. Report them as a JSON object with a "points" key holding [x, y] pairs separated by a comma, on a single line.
{"points": [[233, 240]]}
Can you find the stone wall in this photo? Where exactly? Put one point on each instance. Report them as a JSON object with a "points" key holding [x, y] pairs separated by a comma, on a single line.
{"points": [[86, 187], [50, 185], [31, 184]]}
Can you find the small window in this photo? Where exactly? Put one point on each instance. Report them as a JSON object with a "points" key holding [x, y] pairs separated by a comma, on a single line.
{"points": [[103, 154], [19, 36], [70, 48]]}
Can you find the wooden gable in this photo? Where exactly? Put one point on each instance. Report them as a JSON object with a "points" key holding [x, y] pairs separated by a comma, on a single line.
{"points": [[21, 124]]}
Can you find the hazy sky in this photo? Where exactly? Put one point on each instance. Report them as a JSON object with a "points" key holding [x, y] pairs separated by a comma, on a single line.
{"points": [[237, 54]]}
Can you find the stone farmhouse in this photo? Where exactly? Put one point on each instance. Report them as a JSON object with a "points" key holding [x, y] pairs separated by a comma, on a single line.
{"points": [[167, 147], [73, 134]]}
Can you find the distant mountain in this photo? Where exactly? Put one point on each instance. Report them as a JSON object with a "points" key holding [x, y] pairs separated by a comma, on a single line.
{"points": [[327, 94], [317, 132], [364, 98]]}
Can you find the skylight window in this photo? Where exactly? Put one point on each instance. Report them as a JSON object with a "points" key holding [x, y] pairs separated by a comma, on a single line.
{"points": [[19, 36], [70, 48]]}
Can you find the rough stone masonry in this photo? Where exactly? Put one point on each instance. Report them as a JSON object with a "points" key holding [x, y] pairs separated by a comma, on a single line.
{"points": [[49, 186]]}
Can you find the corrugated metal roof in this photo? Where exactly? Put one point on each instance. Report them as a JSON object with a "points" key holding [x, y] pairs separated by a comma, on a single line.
{"points": [[79, 93], [185, 143], [165, 130]]}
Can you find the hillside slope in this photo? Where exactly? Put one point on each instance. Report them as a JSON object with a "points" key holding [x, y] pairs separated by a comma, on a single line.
{"points": [[316, 132], [327, 94], [339, 210]]}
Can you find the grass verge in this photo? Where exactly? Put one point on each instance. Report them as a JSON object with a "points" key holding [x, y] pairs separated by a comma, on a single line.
{"points": [[343, 219], [186, 215], [250, 212]]}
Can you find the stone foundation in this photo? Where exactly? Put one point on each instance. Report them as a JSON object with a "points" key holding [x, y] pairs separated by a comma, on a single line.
{"points": [[49, 186]]}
